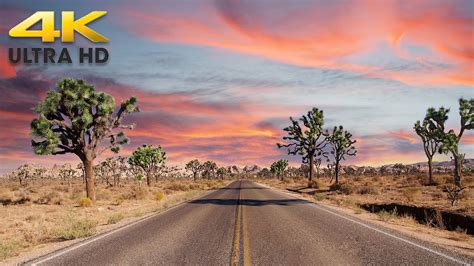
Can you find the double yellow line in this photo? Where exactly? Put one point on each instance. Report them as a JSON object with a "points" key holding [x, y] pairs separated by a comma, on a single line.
{"points": [[240, 234]]}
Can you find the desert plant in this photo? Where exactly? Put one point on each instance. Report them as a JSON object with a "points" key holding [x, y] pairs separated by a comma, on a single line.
{"points": [[195, 167], [454, 193], [221, 172], [278, 168], [209, 169], [148, 158], [411, 193], [341, 145], [450, 140], [428, 135], [319, 196], [75, 228], [308, 142], [75, 118], [84, 202], [159, 196], [115, 218]]}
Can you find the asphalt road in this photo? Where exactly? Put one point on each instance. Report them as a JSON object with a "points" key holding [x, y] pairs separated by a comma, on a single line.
{"points": [[244, 224]]}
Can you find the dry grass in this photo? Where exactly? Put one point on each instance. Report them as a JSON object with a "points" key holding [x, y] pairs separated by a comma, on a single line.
{"points": [[49, 211]]}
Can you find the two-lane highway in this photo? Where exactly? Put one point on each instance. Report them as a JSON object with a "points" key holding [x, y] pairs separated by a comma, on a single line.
{"points": [[245, 223]]}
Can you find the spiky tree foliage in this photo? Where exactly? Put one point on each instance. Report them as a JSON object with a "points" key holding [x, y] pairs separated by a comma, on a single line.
{"points": [[450, 140], [24, 173], [306, 141], [221, 172], [114, 167], [75, 118], [209, 169], [148, 158], [428, 135], [279, 167], [341, 146], [195, 167]]}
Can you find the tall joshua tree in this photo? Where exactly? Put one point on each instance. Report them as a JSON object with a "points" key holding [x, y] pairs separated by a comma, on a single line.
{"points": [[307, 141], [341, 146], [450, 140], [75, 118], [148, 158], [428, 135], [194, 166]]}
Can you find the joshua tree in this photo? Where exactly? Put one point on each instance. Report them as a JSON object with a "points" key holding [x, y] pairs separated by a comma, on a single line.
{"points": [[148, 158], [195, 167], [279, 167], [341, 146], [24, 173], [209, 169], [75, 118], [221, 172], [450, 140], [428, 135], [308, 141], [67, 173]]}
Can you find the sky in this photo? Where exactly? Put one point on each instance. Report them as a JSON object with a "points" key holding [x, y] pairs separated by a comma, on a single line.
{"points": [[218, 80]]}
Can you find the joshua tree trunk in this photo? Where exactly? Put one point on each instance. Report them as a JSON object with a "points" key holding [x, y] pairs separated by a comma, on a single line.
{"points": [[458, 169], [194, 176], [89, 178], [148, 177], [430, 171], [311, 163], [337, 172]]}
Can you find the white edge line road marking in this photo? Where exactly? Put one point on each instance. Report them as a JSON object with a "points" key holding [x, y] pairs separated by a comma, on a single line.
{"points": [[377, 230], [86, 242]]}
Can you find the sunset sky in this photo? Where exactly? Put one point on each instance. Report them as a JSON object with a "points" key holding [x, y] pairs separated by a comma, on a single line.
{"points": [[218, 80]]}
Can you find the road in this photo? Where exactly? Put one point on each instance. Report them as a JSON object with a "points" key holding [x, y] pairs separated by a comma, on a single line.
{"points": [[244, 224]]}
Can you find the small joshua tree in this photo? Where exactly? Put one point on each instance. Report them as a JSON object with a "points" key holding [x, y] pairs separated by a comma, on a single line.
{"points": [[75, 118], [428, 135], [341, 146], [148, 158], [279, 167], [195, 167], [209, 169], [308, 141], [221, 172], [450, 140]]}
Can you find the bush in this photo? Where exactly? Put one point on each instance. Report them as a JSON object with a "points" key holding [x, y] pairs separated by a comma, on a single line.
{"points": [[115, 218], [84, 202], [316, 184], [344, 188], [8, 249], [177, 187], [411, 193], [135, 193], [319, 196], [368, 189], [52, 197], [73, 229], [159, 195]]}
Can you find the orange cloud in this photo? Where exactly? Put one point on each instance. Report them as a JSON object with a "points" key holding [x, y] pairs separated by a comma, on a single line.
{"points": [[326, 34]]}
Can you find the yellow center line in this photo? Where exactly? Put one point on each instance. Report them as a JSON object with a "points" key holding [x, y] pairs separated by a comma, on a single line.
{"points": [[245, 238], [236, 245]]}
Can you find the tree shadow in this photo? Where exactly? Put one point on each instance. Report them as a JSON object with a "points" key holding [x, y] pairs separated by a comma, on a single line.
{"points": [[249, 202]]}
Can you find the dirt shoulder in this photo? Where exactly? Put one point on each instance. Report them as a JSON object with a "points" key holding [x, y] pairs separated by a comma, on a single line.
{"points": [[30, 230], [456, 241]]}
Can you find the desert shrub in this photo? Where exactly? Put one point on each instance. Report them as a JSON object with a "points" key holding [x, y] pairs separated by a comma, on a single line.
{"points": [[411, 193], [61, 188], [368, 189], [387, 215], [454, 193], [344, 188], [8, 248], [84, 202], [316, 184], [468, 181], [115, 218], [159, 196], [117, 201], [319, 196], [178, 186], [51, 198], [135, 193], [75, 228]]}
